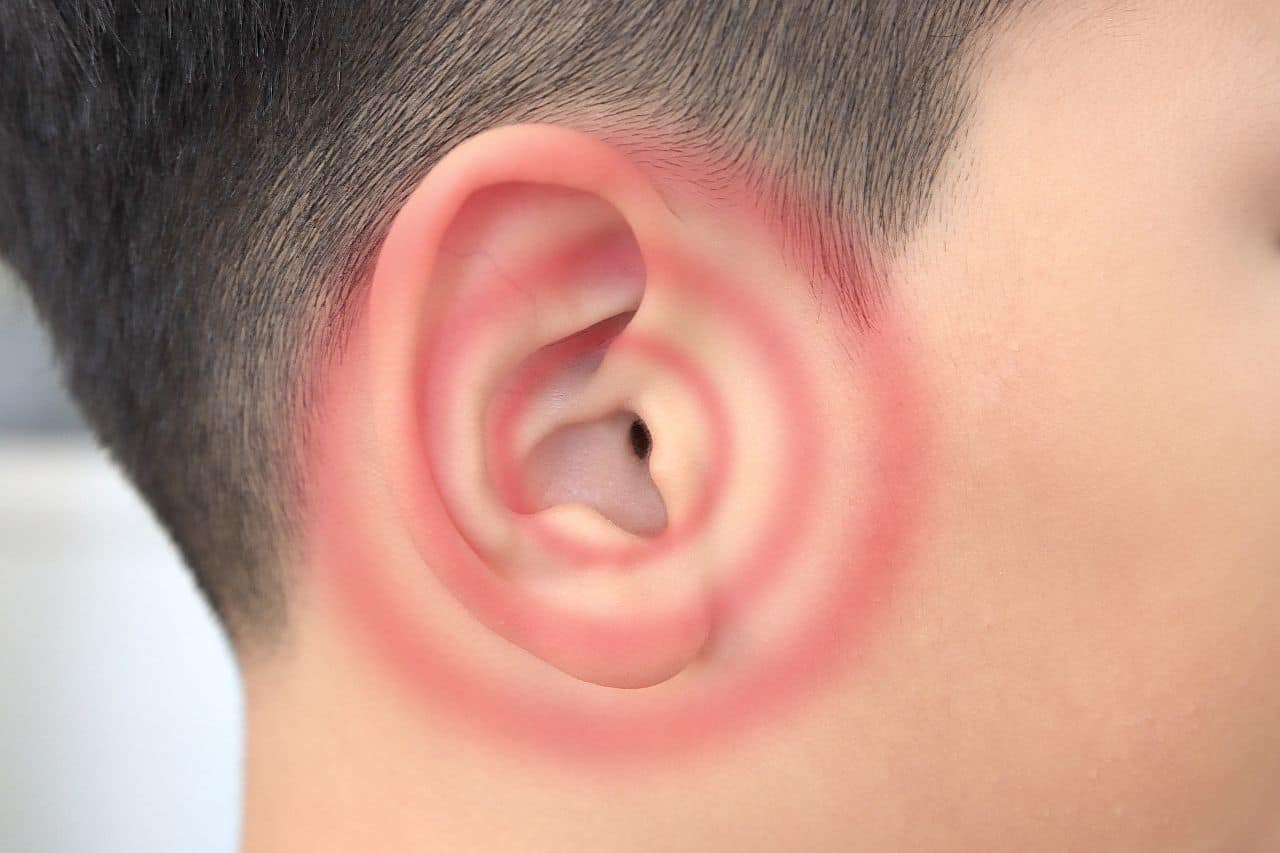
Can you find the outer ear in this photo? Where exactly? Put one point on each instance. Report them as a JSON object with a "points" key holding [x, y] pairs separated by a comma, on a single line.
{"points": [[543, 448]]}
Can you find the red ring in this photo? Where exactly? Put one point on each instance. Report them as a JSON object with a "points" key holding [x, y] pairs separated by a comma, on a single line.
{"points": [[877, 554]]}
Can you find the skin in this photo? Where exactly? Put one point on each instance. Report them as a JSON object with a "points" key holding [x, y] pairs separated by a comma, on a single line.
{"points": [[1083, 653]]}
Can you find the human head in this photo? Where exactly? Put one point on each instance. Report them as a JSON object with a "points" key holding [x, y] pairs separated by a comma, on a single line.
{"points": [[195, 195], [980, 173]]}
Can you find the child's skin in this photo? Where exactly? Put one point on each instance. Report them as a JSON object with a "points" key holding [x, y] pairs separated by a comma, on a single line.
{"points": [[1084, 653]]}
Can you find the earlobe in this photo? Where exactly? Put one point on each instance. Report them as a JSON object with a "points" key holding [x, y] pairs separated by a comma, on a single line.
{"points": [[523, 415]]}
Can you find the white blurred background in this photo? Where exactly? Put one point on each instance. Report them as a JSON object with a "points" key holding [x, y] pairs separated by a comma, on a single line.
{"points": [[120, 718]]}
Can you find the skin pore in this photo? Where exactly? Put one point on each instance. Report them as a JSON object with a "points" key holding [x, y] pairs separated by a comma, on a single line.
{"points": [[1082, 654]]}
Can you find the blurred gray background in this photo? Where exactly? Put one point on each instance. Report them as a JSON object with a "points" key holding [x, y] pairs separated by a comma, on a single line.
{"points": [[120, 717]]}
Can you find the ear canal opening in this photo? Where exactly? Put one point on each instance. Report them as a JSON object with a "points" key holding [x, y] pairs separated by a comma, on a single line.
{"points": [[641, 439], [601, 462]]}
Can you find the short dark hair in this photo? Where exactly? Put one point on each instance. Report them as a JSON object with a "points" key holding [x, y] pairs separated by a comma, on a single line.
{"points": [[193, 191]]}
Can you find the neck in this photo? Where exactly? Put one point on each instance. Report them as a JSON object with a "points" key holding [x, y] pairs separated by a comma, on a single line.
{"points": [[365, 768]]}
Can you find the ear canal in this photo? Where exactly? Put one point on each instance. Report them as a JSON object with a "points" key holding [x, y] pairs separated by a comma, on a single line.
{"points": [[600, 461], [596, 464], [641, 440]]}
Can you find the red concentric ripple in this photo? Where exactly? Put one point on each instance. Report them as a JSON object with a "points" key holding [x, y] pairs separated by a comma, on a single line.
{"points": [[875, 544]]}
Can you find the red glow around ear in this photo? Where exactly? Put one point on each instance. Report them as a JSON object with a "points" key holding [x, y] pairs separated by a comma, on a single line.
{"points": [[876, 547]]}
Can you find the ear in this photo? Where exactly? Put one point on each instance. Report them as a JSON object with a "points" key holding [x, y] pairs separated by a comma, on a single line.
{"points": [[552, 409]]}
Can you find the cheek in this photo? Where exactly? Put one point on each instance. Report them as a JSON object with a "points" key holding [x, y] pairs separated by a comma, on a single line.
{"points": [[1106, 557], [1116, 487]]}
